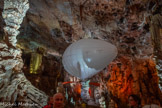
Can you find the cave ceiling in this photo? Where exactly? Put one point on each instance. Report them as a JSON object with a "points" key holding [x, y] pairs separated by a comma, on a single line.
{"points": [[54, 24]]}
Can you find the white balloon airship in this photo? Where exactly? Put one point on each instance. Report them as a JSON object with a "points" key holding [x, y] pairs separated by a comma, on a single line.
{"points": [[87, 57]]}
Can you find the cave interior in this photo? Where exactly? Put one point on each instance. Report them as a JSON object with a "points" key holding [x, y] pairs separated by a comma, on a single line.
{"points": [[34, 35]]}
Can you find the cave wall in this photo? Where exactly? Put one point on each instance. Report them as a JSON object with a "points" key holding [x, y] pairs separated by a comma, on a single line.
{"points": [[134, 76], [48, 75]]}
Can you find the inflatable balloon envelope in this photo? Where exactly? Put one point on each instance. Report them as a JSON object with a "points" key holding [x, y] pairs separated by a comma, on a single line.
{"points": [[87, 57]]}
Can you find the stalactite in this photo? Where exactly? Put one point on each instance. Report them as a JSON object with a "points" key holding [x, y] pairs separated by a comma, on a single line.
{"points": [[155, 29], [36, 60], [136, 76]]}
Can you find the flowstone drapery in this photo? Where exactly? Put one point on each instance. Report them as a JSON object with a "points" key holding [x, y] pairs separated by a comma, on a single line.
{"points": [[14, 87], [156, 33]]}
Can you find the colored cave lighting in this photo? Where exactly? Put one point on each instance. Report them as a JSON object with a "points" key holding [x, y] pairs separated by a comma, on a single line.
{"points": [[35, 63]]}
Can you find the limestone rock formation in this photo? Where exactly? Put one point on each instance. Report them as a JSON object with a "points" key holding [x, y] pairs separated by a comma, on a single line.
{"points": [[134, 76], [156, 33], [14, 87]]}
